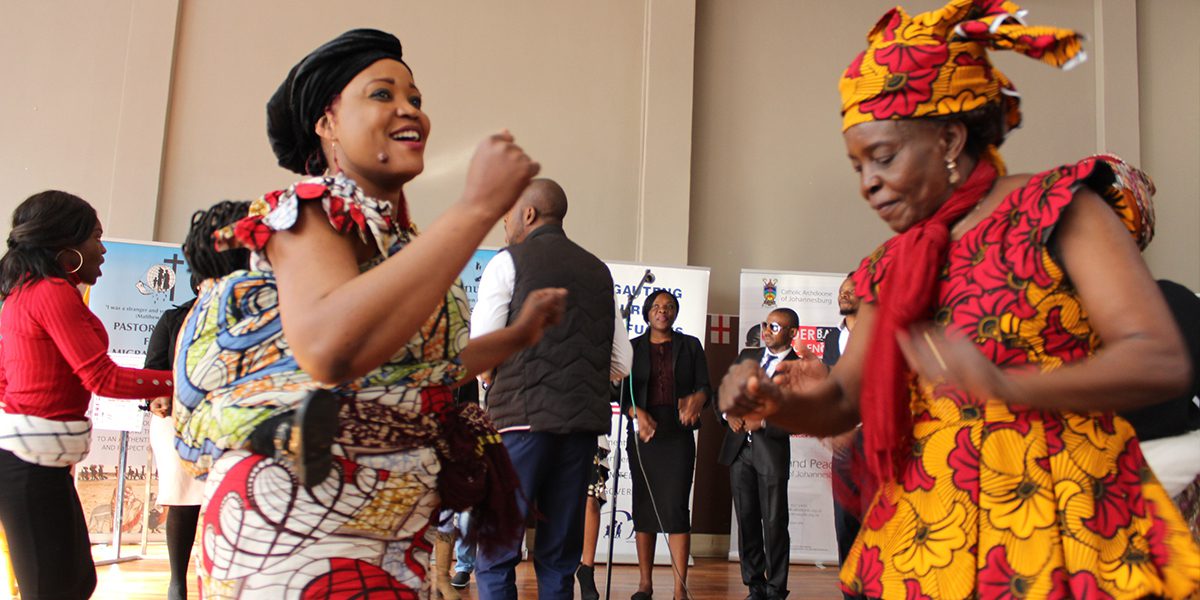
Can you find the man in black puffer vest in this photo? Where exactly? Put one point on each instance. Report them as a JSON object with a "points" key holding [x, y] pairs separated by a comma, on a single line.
{"points": [[551, 400]]}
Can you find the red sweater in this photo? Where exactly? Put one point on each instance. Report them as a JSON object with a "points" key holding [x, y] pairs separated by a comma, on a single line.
{"points": [[54, 356]]}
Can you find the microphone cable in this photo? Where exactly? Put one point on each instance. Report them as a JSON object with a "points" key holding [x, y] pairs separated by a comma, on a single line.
{"points": [[637, 448]]}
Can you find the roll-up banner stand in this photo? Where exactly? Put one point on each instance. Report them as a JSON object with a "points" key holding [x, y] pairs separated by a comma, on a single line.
{"points": [[810, 498]]}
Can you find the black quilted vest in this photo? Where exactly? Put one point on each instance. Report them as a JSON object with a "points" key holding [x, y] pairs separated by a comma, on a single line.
{"points": [[560, 385]]}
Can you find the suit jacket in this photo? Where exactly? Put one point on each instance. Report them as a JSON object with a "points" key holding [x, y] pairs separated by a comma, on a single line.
{"points": [[691, 370], [833, 348], [771, 446]]}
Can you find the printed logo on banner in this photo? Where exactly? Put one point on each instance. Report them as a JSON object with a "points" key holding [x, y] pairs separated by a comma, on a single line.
{"points": [[769, 289], [812, 338], [160, 278], [621, 529]]}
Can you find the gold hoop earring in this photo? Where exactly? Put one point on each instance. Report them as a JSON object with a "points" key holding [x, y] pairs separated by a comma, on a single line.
{"points": [[77, 253], [952, 170]]}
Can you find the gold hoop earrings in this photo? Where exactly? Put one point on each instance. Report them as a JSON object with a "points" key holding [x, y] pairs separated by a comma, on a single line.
{"points": [[77, 253], [952, 171]]}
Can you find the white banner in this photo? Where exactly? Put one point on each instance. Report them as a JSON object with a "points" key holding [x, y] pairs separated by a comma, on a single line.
{"points": [[141, 281], [810, 497], [689, 285]]}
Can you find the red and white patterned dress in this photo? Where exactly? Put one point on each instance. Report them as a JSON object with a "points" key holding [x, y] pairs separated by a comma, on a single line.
{"points": [[362, 531]]}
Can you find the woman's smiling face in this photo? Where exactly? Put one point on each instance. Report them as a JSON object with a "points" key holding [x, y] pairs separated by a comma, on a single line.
{"points": [[378, 126]]}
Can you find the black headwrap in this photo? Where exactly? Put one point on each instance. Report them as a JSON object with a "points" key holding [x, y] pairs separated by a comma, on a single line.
{"points": [[310, 87]]}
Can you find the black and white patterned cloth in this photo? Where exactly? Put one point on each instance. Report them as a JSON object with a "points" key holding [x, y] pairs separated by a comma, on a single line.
{"points": [[598, 486], [43, 441]]}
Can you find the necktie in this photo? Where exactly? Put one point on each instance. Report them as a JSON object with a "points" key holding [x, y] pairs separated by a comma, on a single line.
{"points": [[767, 363], [768, 358]]}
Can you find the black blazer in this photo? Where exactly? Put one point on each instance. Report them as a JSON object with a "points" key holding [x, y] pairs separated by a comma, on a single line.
{"points": [[771, 447], [160, 350], [833, 348], [691, 370]]}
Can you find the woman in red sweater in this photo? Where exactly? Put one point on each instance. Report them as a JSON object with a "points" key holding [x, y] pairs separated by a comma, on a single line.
{"points": [[53, 357]]}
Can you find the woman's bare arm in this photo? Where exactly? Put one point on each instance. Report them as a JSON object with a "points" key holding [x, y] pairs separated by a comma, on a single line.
{"points": [[342, 324]]}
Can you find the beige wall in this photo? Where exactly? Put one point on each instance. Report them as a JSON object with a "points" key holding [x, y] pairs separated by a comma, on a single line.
{"points": [[1169, 82], [685, 132], [85, 100], [566, 78], [599, 93]]}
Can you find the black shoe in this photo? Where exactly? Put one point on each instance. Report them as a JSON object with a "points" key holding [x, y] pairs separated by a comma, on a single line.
{"points": [[303, 438], [758, 594], [587, 582], [460, 579]]}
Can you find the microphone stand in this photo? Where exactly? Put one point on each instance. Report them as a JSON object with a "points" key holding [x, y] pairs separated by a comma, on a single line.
{"points": [[612, 510]]}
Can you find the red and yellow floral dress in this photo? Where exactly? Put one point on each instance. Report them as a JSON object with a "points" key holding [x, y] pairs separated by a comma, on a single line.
{"points": [[1004, 501]]}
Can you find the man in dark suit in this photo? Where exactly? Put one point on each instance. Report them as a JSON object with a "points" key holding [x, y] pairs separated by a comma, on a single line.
{"points": [[758, 456], [836, 341]]}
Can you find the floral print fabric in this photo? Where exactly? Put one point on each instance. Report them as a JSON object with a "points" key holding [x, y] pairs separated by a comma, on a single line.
{"points": [[363, 528], [1004, 501], [936, 63]]}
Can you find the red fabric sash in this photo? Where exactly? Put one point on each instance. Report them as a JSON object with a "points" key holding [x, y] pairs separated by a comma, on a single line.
{"points": [[906, 296]]}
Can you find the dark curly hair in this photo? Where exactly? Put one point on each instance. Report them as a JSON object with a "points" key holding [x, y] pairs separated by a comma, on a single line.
{"points": [[42, 226], [202, 257]]}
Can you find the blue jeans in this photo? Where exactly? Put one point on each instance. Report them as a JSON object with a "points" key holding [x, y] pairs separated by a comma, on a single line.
{"points": [[554, 470], [464, 553]]}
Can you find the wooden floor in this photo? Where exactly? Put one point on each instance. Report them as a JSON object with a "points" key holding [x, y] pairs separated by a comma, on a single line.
{"points": [[146, 579]]}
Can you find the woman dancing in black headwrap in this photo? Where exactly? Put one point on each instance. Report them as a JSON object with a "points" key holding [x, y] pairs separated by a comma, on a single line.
{"points": [[342, 296]]}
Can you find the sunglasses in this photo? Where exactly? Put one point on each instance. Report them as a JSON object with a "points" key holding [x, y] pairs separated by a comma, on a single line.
{"points": [[772, 327]]}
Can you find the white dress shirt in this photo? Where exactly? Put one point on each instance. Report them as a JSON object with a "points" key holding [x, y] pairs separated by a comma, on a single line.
{"points": [[770, 368]]}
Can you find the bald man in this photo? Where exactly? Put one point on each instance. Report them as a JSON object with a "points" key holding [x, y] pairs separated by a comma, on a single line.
{"points": [[550, 401]]}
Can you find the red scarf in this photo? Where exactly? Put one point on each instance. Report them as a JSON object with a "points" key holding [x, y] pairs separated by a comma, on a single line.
{"points": [[906, 296]]}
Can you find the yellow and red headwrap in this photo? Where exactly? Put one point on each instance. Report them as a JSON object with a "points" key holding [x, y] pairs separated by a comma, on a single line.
{"points": [[936, 63]]}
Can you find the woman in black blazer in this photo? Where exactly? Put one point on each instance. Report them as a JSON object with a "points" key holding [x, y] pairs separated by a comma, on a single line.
{"points": [[670, 387]]}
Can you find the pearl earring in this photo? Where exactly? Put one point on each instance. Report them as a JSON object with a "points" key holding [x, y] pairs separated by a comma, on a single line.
{"points": [[952, 170]]}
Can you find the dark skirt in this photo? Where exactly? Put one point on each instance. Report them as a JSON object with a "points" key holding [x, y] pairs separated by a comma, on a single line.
{"points": [[47, 533], [668, 461]]}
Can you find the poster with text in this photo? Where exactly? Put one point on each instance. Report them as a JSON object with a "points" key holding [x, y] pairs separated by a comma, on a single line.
{"points": [[473, 272], [139, 282], [810, 497]]}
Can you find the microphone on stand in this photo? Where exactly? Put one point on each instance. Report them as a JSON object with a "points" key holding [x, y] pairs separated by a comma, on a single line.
{"points": [[648, 277]]}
